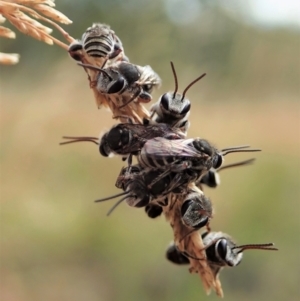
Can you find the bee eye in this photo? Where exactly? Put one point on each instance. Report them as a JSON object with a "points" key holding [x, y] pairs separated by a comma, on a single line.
{"points": [[185, 206], [103, 147], [117, 47], [165, 101], [185, 109], [218, 160], [73, 49], [222, 248], [117, 86]]}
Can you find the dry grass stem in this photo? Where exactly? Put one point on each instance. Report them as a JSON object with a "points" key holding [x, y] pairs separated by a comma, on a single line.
{"points": [[22, 14]]}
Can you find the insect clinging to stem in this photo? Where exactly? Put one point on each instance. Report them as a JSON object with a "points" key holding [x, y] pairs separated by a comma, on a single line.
{"points": [[173, 108]]}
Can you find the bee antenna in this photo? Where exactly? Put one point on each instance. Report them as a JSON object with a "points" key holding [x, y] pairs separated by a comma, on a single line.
{"points": [[268, 246], [193, 82], [79, 139], [95, 68], [235, 147], [117, 204], [104, 63], [246, 162], [112, 197], [235, 150], [175, 77]]}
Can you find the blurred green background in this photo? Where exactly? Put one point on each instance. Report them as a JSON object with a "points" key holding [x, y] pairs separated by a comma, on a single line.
{"points": [[57, 244]]}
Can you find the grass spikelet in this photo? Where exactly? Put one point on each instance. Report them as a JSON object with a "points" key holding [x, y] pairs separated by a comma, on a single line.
{"points": [[9, 58], [7, 33], [23, 14]]}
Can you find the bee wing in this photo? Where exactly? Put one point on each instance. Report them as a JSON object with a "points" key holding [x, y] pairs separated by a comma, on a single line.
{"points": [[161, 147], [148, 76]]}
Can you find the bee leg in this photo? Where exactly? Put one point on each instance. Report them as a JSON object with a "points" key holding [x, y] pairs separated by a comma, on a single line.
{"points": [[129, 160], [135, 95], [178, 166]]}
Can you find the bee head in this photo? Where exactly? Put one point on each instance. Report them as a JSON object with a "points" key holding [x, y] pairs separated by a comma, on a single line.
{"points": [[196, 210], [117, 137]]}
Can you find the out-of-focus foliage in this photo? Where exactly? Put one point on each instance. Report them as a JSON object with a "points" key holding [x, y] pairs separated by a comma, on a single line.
{"points": [[56, 244]]}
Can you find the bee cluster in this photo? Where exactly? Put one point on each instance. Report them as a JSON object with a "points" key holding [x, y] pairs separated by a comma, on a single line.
{"points": [[171, 170]]}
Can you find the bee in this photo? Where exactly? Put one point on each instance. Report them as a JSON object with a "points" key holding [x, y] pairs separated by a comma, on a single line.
{"points": [[196, 209], [193, 157], [132, 82], [98, 43], [189, 242], [173, 108], [212, 178], [142, 189], [100, 47], [221, 251], [137, 193], [128, 138]]}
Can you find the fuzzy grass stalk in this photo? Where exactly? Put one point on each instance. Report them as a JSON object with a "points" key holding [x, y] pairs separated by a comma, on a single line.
{"points": [[23, 14]]}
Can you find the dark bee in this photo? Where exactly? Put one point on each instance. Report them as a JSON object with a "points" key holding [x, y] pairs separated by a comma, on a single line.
{"points": [[173, 108], [128, 138], [220, 251], [98, 43], [194, 157], [137, 192], [141, 188], [132, 82], [212, 179], [196, 209], [158, 190]]}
